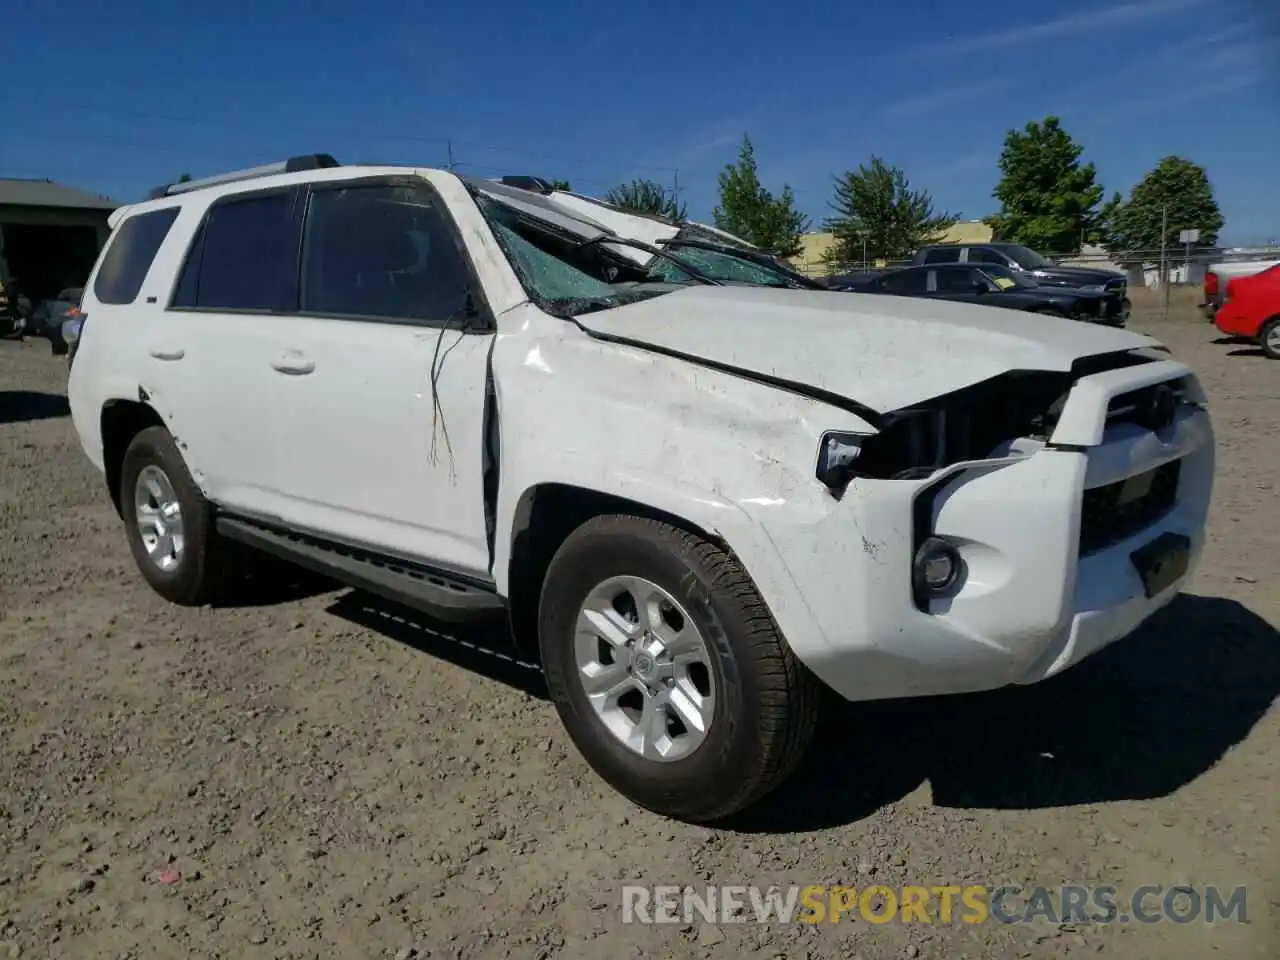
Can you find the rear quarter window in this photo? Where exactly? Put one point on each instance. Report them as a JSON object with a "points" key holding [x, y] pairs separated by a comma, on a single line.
{"points": [[129, 255]]}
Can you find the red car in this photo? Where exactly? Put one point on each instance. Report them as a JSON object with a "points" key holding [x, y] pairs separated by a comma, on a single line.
{"points": [[1252, 309]]}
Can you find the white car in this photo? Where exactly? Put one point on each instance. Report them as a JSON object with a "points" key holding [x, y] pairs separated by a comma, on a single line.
{"points": [[697, 502]]}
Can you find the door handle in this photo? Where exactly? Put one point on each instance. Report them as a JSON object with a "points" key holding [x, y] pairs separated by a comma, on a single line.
{"points": [[293, 364], [168, 353]]}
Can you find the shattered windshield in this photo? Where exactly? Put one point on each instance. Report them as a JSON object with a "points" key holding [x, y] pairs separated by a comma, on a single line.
{"points": [[563, 276], [720, 264]]}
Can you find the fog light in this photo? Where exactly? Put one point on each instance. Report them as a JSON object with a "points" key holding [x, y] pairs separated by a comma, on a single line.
{"points": [[937, 567]]}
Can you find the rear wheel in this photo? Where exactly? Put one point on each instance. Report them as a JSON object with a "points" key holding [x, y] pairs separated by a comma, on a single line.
{"points": [[668, 671], [1269, 338], [169, 523]]}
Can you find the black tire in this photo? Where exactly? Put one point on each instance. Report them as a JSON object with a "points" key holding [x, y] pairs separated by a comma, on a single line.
{"points": [[766, 703], [202, 570], [1271, 350]]}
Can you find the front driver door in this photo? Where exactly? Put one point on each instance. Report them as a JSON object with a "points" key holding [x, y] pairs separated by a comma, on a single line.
{"points": [[379, 393]]}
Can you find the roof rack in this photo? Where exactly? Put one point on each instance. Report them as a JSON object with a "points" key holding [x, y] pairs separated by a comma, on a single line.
{"points": [[536, 184], [308, 161]]}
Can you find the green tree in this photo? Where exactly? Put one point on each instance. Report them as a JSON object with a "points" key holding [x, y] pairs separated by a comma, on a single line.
{"points": [[877, 214], [185, 178], [560, 185], [748, 210], [646, 196], [1178, 188], [1048, 199]]}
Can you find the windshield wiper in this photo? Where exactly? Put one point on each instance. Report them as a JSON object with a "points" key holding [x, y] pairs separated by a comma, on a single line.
{"points": [[750, 256], [655, 251]]}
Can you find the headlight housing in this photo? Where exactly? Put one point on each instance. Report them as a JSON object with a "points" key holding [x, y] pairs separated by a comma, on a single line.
{"points": [[1095, 288]]}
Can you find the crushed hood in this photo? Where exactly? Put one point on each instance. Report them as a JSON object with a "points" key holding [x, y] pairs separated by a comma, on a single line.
{"points": [[878, 351]]}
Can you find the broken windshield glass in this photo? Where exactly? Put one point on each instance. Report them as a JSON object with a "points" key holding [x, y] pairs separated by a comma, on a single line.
{"points": [[563, 275]]}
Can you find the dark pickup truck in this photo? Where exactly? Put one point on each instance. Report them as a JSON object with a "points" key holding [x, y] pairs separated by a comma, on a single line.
{"points": [[1022, 259], [998, 286]]}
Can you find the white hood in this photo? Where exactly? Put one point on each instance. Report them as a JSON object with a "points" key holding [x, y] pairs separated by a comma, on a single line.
{"points": [[882, 352]]}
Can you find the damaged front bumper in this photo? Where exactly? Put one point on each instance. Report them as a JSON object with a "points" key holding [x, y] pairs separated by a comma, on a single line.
{"points": [[1047, 540]]}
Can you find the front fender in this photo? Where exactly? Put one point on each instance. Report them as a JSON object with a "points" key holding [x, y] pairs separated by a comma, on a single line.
{"points": [[726, 454]]}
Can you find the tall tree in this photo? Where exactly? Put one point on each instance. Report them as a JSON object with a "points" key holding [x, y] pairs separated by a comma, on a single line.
{"points": [[646, 196], [1048, 199], [877, 214], [748, 210], [1178, 188]]}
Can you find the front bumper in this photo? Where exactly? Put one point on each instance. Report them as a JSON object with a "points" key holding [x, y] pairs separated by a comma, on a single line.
{"points": [[1029, 604]]}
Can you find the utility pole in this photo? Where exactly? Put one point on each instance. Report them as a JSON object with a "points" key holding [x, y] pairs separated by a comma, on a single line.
{"points": [[1164, 262], [449, 147], [675, 188]]}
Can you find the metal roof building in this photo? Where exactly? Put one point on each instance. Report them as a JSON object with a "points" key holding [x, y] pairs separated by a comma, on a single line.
{"points": [[50, 234]]}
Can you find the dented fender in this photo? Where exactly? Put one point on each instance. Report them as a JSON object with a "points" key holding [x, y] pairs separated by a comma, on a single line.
{"points": [[728, 455]]}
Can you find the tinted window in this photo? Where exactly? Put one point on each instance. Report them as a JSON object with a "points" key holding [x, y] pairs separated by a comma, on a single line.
{"points": [[906, 282], [243, 257], [942, 255], [986, 255], [956, 280], [383, 251], [129, 255]]}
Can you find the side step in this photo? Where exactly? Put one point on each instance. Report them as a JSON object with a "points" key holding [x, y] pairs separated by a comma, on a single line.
{"points": [[426, 590]]}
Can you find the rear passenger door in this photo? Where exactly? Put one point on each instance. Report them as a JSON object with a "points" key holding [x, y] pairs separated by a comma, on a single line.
{"points": [[379, 391], [238, 279]]}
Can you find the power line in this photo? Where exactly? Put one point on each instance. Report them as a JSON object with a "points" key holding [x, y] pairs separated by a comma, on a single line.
{"points": [[362, 136]]}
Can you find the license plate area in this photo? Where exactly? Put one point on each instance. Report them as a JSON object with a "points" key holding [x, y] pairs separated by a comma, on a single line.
{"points": [[1162, 562]]}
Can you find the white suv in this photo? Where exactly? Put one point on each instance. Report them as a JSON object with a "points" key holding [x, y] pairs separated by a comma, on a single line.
{"points": [[697, 502]]}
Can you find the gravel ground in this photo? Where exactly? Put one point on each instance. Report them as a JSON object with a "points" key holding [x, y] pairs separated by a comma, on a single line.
{"points": [[313, 775]]}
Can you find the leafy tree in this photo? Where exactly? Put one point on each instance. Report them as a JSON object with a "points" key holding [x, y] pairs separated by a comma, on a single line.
{"points": [[1178, 187], [560, 185], [1048, 198], [878, 213], [646, 196], [748, 210], [185, 178], [1104, 224]]}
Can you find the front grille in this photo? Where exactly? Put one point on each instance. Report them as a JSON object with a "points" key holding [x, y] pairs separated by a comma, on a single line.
{"points": [[1119, 510]]}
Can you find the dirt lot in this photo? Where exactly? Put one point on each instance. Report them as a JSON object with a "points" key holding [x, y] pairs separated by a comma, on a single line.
{"points": [[330, 779]]}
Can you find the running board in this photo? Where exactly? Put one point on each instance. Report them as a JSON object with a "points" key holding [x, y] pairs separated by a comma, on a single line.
{"points": [[422, 589]]}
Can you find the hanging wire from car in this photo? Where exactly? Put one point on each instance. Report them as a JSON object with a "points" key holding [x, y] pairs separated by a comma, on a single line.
{"points": [[438, 423]]}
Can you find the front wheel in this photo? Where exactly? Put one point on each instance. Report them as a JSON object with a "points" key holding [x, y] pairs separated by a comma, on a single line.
{"points": [[668, 671], [1269, 338]]}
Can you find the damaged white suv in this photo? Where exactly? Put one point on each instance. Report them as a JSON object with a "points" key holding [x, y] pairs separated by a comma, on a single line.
{"points": [[697, 501]]}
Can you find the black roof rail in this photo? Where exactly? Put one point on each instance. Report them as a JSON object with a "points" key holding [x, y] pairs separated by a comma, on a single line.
{"points": [[306, 161], [536, 184]]}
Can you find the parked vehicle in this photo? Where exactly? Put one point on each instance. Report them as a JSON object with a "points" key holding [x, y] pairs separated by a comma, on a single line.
{"points": [[696, 502], [1252, 309], [1000, 287], [1219, 275], [1018, 258], [856, 280], [55, 319]]}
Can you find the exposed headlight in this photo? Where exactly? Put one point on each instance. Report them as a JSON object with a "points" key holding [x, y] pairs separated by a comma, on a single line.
{"points": [[1095, 288], [836, 455]]}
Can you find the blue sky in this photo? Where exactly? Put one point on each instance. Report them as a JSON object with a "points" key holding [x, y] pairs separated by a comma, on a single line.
{"points": [[119, 97]]}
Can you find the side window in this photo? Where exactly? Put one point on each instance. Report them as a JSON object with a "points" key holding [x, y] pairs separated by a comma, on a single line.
{"points": [[243, 256], [907, 282], [380, 251], [129, 255], [942, 255], [986, 255], [956, 279]]}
